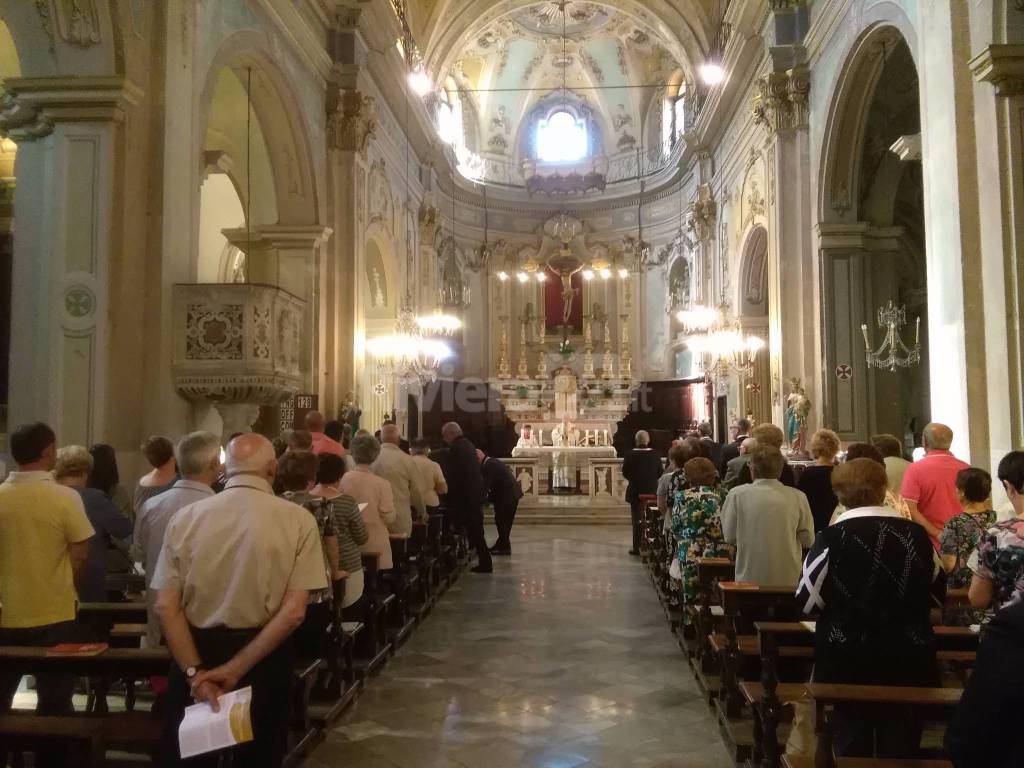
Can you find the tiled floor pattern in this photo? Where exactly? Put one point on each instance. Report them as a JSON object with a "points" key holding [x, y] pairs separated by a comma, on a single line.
{"points": [[562, 658]]}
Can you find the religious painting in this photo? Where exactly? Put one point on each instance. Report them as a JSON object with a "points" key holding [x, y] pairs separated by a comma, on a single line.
{"points": [[556, 299]]}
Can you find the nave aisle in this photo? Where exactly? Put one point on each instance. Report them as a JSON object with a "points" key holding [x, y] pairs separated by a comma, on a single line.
{"points": [[561, 659]]}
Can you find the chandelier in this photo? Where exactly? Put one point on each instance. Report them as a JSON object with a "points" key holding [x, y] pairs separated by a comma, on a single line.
{"points": [[893, 353], [438, 323], [699, 318], [722, 347], [407, 354]]}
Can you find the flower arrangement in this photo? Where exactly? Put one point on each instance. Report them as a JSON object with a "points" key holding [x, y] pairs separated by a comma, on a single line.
{"points": [[565, 348], [522, 392], [607, 392]]}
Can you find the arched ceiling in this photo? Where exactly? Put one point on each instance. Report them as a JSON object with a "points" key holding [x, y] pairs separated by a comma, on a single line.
{"points": [[507, 56]]}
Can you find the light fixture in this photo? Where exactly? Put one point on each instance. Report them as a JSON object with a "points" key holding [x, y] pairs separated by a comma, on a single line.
{"points": [[605, 273], [712, 73], [893, 353], [588, 274], [420, 81], [439, 323], [542, 276], [623, 273], [522, 277], [503, 276], [698, 318], [406, 354]]}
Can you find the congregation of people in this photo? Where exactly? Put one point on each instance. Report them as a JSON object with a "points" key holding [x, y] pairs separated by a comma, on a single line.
{"points": [[869, 542], [249, 551]]}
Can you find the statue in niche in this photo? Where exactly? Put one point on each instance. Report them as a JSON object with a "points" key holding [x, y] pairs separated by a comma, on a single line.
{"points": [[679, 286], [528, 322], [501, 122], [377, 298], [451, 275], [599, 320]]}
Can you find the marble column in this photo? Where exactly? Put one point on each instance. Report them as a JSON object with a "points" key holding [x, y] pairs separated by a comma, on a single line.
{"points": [[68, 208], [999, 126], [780, 107]]}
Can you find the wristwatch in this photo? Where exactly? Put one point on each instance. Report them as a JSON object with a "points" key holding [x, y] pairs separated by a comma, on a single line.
{"points": [[191, 672]]}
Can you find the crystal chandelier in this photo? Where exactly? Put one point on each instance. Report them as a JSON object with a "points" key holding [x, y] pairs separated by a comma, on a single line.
{"points": [[722, 347], [893, 353], [406, 354], [698, 318], [439, 323]]}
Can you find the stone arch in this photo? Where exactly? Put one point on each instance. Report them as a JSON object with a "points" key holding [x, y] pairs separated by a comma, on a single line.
{"points": [[752, 297], [278, 112], [380, 255], [871, 233], [752, 309], [845, 127]]}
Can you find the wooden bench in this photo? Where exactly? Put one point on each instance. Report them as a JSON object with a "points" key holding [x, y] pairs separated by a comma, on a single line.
{"points": [[826, 696], [790, 761], [777, 640], [102, 617], [708, 615], [82, 739], [372, 647]]}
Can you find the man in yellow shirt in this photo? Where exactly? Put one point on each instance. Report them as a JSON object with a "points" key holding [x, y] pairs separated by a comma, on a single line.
{"points": [[44, 541]]}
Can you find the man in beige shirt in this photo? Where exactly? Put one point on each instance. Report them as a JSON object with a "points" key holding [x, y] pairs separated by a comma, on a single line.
{"points": [[233, 581], [431, 477], [399, 469]]}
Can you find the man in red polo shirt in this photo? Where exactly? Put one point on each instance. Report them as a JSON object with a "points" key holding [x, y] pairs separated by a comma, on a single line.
{"points": [[322, 443], [929, 485]]}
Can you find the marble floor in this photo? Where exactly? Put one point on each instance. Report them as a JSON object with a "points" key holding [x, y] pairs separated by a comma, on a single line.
{"points": [[561, 658]]}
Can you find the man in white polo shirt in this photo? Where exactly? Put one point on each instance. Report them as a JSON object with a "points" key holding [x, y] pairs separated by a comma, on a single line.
{"points": [[233, 579]]}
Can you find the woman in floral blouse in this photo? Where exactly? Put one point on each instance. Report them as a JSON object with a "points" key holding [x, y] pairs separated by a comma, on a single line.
{"points": [[986, 719], [961, 533], [695, 521]]}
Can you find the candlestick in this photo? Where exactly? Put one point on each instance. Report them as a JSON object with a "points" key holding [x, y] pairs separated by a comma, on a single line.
{"points": [[917, 332], [867, 342]]}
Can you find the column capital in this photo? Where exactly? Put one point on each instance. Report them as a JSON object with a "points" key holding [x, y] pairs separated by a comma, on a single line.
{"points": [[32, 105], [351, 119], [781, 100], [1003, 66], [702, 214]]}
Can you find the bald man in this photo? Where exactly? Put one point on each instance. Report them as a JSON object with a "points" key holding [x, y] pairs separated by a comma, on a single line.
{"points": [[642, 469], [399, 469], [233, 580], [929, 485], [315, 425], [466, 491]]}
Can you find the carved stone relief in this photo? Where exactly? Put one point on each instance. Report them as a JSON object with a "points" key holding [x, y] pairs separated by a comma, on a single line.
{"points": [[381, 201], [214, 332], [78, 22]]}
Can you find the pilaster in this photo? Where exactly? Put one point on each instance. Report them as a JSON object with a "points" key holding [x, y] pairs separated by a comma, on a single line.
{"points": [[70, 155]]}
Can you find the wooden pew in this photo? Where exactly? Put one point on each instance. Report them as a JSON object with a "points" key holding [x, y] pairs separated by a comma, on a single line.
{"points": [[82, 739], [372, 646], [953, 644], [101, 618], [826, 696], [708, 617], [399, 598]]}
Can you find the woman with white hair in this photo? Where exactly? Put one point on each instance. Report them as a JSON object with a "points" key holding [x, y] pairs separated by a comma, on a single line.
{"points": [[375, 492], [74, 463]]}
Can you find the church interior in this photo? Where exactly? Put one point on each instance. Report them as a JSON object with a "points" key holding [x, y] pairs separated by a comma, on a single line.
{"points": [[560, 225]]}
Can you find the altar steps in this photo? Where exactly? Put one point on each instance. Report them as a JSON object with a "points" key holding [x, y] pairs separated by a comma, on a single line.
{"points": [[566, 511]]}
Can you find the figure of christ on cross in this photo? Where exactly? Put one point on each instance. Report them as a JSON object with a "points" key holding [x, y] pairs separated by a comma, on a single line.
{"points": [[565, 292]]}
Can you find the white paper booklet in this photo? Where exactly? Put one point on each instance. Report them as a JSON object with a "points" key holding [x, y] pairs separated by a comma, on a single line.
{"points": [[204, 730]]}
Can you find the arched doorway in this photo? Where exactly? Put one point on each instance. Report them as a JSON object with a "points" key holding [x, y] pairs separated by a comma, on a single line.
{"points": [[873, 240], [752, 303], [380, 313]]}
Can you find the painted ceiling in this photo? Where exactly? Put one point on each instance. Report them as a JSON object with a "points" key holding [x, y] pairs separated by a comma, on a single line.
{"points": [[507, 65]]}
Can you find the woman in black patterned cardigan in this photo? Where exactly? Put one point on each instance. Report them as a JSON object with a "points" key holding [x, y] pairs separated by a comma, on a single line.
{"points": [[874, 577]]}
